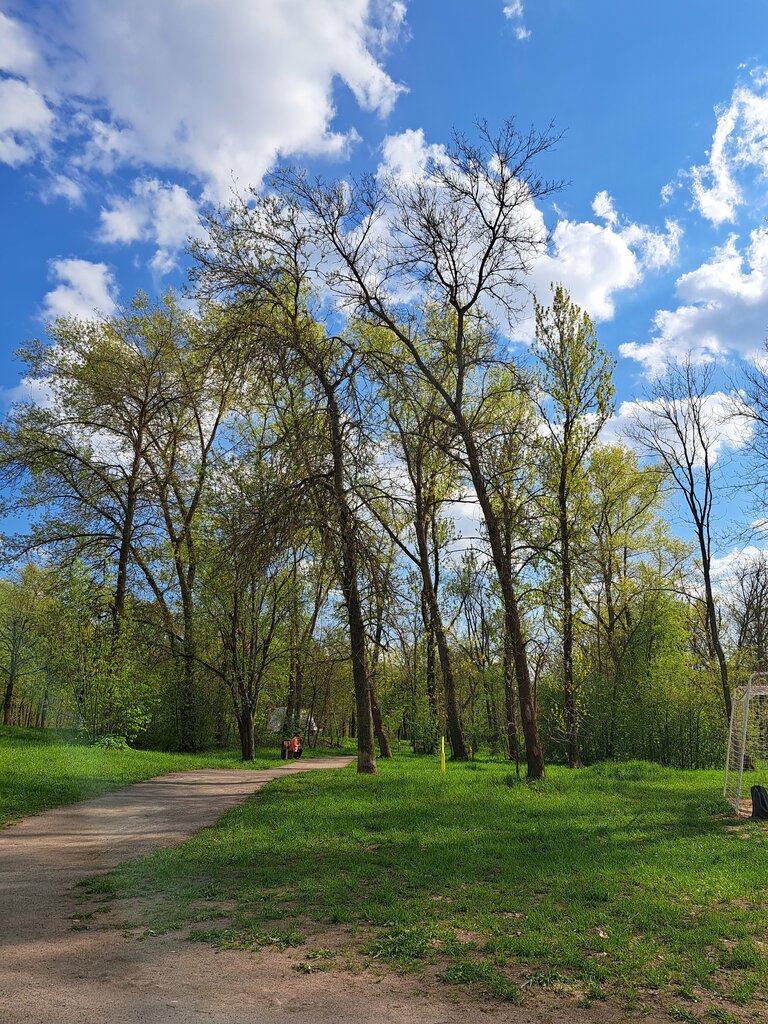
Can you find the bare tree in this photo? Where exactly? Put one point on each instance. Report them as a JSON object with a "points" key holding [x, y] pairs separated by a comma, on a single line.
{"points": [[676, 426], [748, 606]]}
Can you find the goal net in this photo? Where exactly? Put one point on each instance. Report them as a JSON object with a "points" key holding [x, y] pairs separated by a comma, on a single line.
{"points": [[746, 762]]}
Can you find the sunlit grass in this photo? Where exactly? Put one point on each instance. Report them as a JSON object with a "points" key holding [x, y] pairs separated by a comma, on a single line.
{"points": [[623, 881]]}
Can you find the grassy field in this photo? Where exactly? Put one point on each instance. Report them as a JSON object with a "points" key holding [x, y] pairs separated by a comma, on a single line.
{"points": [[625, 882], [38, 769]]}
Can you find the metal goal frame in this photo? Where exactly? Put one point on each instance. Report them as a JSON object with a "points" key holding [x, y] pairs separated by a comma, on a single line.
{"points": [[747, 738]]}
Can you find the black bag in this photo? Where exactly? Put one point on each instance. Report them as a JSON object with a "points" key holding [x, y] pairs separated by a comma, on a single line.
{"points": [[760, 803]]}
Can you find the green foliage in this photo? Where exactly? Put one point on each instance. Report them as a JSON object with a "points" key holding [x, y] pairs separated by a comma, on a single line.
{"points": [[112, 743]]}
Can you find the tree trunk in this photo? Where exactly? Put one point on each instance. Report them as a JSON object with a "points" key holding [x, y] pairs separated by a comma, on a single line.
{"points": [[510, 711], [455, 734], [533, 749], [366, 753], [382, 739], [245, 726], [429, 642], [187, 710], [571, 719], [8, 698], [714, 635]]}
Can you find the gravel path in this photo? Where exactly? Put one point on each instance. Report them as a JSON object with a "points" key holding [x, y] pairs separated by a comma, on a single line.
{"points": [[52, 968]]}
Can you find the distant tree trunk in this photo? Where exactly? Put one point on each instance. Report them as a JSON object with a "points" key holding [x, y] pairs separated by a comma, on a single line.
{"points": [[571, 718], [42, 714], [455, 734], [8, 698], [510, 710], [378, 722], [429, 643], [714, 631]]}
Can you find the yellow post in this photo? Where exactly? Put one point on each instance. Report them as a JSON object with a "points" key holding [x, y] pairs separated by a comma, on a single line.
{"points": [[442, 753]]}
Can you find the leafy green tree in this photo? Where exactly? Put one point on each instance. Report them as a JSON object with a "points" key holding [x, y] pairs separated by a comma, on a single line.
{"points": [[575, 399], [459, 239]]}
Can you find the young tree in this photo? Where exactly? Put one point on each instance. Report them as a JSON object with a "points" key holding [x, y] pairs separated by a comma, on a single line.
{"points": [[575, 399]]}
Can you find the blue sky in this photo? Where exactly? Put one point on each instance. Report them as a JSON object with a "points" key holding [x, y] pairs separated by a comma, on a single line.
{"points": [[118, 121]]}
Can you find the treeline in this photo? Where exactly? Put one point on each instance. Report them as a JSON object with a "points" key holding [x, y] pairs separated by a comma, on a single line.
{"points": [[247, 500]]}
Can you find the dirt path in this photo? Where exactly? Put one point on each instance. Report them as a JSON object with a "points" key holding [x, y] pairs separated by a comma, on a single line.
{"points": [[50, 970]]}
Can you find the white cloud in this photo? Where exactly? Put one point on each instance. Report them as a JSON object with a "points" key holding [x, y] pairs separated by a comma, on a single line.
{"points": [[157, 212], [725, 567], [406, 155], [597, 261], [725, 431], [220, 91], [25, 121], [515, 12], [84, 289], [63, 187], [602, 207], [739, 142], [29, 391], [723, 308], [17, 52]]}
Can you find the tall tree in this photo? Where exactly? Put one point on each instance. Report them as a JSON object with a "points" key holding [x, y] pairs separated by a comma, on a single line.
{"points": [[258, 254], [462, 234], [575, 399], [678, 425]]}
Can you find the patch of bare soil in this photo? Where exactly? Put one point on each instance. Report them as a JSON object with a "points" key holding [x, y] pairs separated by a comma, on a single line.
{"points": [[68, 961]]}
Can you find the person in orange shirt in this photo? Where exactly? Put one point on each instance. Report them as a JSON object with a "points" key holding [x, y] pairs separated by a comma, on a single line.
{"points": [[295, 747]]}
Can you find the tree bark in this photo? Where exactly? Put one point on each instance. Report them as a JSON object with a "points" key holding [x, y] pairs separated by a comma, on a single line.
{"points": [[714, 632], [8, 697], [571, 719], [366, 754], [533, 749], [247, 732]]}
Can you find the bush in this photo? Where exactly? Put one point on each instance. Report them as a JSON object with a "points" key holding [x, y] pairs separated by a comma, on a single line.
{"points": [[112, 743]]}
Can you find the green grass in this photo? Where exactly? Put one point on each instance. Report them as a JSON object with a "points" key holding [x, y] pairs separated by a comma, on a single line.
{"points": [[622, 881], [40, 769]]}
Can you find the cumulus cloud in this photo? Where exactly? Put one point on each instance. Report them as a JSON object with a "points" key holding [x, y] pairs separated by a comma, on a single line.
{"points": [[408, 154], [84, 289], [63, 187], [595, 262], [723, 308], [25, 121], [739, 142], [157, 212], [220, 91], [725, 567]]}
